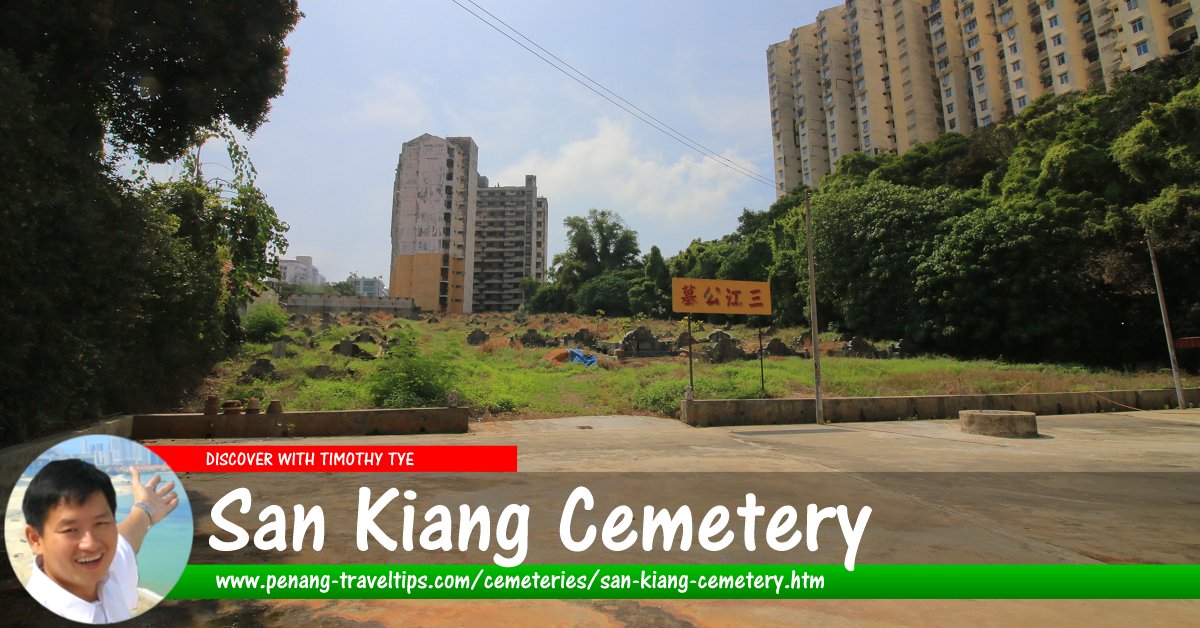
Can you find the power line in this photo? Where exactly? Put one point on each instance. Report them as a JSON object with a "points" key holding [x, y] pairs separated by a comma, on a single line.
{"points": [[624, 104]]}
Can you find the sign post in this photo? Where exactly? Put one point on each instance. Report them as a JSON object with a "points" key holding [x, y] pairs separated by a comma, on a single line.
{"points": [[720, 296], [812, 310]]}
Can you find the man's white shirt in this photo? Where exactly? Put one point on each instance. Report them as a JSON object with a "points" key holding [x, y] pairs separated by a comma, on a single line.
{"points": [[118, 592]]}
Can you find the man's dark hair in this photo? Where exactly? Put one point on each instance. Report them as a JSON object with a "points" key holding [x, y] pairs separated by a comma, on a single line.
{"points": [[70, 481]]}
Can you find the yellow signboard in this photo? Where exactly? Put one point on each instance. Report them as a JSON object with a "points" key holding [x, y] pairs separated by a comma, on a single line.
{"points": [[718, 296]]}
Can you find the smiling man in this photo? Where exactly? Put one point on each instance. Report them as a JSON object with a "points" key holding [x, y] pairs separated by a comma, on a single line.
{"points": [[85, 567]]}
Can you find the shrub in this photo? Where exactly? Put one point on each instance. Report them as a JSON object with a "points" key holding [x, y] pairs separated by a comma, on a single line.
{"points": [[408, 379], [264, 322]]}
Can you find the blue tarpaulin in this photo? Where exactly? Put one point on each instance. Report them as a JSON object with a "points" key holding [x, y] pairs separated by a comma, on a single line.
{"points": [[586, 359]]}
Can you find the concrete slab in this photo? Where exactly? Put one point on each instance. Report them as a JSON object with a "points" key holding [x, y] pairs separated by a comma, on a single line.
{"points": [[1078, 489]]}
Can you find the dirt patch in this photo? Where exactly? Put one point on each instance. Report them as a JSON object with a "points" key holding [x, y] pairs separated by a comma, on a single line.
{"points": [[557, 356]]}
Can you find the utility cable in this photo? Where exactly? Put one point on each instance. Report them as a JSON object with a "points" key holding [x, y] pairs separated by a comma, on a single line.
{"points": [[624, 104]]}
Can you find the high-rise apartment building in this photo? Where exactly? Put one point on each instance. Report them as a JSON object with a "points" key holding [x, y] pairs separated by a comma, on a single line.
{"points": [[457, 245], [882, 76], [510, 243], [433, 211], [300, 271]]}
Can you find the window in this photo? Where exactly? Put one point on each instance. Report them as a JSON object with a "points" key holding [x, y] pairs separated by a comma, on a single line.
{"points": [[1049, 4], [939, 35], [950, 108], [973, 41], [1063, 79], [949, 93], [858, 70], [970, 28], [1019, 83], [1016, 66], [1056, 40], [969, 11], [1137, 26], [1143, 48], [806, 165], [1131, 5], [864, 111], [1006, 17], [1022, 101], [986, 121], [833, 152], [860, 84], [977, 57], [983, 104], [981, 89], [866, 128], [1011, 32], [833, 125], [857, 56], [979, 73], [940, 50], [943, 64], [946, 80], [953, 124], [1012, 50], [1053, 21]]}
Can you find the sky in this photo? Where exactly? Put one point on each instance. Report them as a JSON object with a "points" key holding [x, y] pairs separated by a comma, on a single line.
{"points": [[366, 76]]}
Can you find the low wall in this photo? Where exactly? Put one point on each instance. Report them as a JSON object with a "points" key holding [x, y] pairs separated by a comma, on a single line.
{"points": [[317, 303], [716, 412], [14, 460], [331, 423]]}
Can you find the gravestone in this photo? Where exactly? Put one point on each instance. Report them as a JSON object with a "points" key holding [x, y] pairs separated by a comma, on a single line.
{"points": [[641, 342], [532, 338], [477, 337], [261, 369], [722, 348], [320, 371], [777, 348], [584, 337], [859, 348]]}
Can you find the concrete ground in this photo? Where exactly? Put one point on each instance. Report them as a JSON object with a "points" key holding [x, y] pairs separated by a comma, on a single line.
{"points": [[1078, 494]]}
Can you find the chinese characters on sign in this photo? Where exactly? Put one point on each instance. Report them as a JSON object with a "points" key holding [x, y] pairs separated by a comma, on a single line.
{"points": [[718, 296]]}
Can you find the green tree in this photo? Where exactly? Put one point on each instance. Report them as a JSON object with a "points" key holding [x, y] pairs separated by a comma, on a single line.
{"points": [[119, 296], [652, 294], [598, 243]]}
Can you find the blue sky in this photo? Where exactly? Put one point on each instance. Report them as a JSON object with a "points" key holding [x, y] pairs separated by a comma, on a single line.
{"points": [[366, 76]]}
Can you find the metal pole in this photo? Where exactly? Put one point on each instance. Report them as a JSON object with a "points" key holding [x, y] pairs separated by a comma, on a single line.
{"points": [[812, 308], [762, 372], [1162, 306], [691, 382]]}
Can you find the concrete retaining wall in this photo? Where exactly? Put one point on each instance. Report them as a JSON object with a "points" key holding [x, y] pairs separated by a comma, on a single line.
{"points": [[14, 460], [333, 423], [710, 413]]}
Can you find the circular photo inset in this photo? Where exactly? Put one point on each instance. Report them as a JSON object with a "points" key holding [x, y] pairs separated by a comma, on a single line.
{"points": [[98, 529]]}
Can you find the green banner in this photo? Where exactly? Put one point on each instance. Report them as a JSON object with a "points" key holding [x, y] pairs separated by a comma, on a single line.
{"points": [[688, 582]]}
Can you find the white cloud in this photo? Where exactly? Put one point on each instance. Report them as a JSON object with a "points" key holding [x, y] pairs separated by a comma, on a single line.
{"points": [[392, 101], [669, 202]]}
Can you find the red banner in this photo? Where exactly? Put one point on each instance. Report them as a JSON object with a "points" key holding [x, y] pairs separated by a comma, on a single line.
{"points": [[338, 458]]}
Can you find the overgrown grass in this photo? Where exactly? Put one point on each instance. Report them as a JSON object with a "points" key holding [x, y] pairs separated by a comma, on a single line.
{"points": [[499, 379]]}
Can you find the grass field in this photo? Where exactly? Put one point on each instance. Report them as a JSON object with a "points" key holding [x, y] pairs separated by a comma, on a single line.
{"points": [[506, 380]]}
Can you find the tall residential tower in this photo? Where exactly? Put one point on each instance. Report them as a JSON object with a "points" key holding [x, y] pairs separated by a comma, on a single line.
{"points": [[882, 76], [459, 246]]}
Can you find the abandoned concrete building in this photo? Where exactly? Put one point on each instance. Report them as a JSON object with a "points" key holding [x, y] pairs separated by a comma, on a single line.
{"points": [[459, 246]]}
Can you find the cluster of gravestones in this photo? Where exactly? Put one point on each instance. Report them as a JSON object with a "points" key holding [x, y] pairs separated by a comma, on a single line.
{"points": [[857, 347], [641, 343]]}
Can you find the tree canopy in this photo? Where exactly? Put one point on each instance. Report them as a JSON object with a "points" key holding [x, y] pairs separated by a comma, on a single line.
{"points": [[120, 294]]}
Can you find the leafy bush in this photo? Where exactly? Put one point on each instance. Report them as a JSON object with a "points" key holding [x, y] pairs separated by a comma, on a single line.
{"points": [[408, 379], [264, 322]]}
